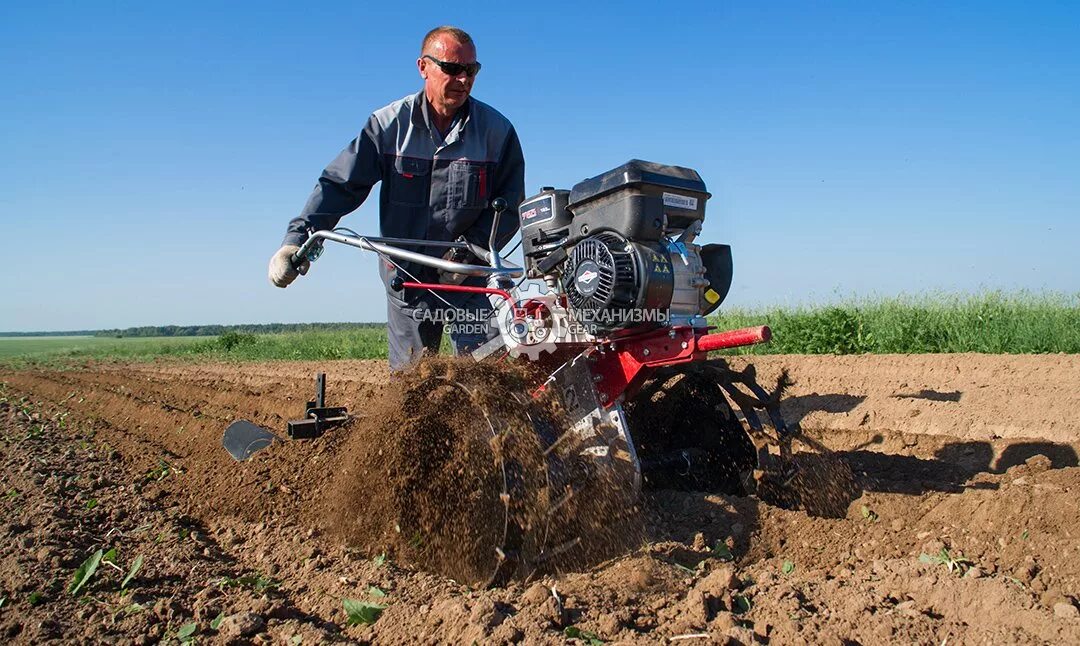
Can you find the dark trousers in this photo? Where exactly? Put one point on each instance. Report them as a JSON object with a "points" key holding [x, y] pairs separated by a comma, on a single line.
{"points": [[416, 328]]}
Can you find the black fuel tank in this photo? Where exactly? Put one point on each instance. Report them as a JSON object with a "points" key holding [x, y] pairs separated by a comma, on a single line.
{"points": [[634, 199]]}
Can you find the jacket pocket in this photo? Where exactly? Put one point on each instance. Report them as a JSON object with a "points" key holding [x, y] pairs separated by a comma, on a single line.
{"points": [[468, 186], [410, 181]]}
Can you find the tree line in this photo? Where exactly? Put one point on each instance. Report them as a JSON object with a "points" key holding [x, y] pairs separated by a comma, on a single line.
{"points": [[217, 330], [205, 330]]}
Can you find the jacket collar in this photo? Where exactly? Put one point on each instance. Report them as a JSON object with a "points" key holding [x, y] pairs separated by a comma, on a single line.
{"points": [[422, 117]]}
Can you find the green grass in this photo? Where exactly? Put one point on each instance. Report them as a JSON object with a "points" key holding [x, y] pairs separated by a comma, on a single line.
{"points": [[991, 323], [364, 343], [31, 347], [368, 343]]}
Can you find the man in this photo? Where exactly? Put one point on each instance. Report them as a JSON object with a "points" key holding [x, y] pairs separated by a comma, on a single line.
{"points": [[441, 156]]}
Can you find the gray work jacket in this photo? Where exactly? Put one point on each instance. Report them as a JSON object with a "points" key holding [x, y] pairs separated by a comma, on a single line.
{"points": [[432, 189]]}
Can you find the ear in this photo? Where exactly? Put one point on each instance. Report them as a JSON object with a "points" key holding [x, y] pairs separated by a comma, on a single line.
{"points": [[421, 66]]}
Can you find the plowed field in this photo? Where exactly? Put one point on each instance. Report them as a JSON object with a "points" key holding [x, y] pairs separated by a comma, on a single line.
{"points": [[964, 526]]}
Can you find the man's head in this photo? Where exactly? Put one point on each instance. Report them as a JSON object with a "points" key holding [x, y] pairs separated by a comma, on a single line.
{"points": [[448, 66]]}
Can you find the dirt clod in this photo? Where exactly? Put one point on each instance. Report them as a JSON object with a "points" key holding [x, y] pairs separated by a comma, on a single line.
{"points": [[718, 583], [243, 624], [1066, 610]]}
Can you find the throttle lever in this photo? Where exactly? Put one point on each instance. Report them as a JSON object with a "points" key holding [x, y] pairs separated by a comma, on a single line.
{"points": [[312, 255]]}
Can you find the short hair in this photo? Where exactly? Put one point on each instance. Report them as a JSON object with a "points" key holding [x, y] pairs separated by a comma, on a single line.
{"points": [[458, 34]]}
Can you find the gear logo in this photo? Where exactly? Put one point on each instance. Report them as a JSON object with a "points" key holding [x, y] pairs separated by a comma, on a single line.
{"points": [[530, 321], [528, 325]]}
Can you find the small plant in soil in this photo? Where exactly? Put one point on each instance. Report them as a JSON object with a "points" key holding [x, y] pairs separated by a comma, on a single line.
{"points": [[722, 551], [362, 612], [162, 470], [958, 563], [86, 571], [132, 609], [741, 604], [186, 634], [136, 565], [591, 638], [109, 558], [869, 514], [256, 582], [677, 565]]}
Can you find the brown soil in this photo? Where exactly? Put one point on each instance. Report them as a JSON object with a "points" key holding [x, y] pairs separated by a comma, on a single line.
{"points": [[972, 454]]}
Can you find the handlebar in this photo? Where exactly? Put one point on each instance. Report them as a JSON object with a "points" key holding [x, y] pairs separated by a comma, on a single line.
{"points": [[385, 247]]}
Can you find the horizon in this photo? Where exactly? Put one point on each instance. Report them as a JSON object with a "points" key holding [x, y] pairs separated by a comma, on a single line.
{"points": [[917, 300], [155, 153]]}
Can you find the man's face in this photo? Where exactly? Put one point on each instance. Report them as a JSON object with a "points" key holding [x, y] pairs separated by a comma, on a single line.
{"points": [[446, 93]]}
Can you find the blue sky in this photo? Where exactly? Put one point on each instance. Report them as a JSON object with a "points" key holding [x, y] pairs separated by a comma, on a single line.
{"points": [[152, 153]]}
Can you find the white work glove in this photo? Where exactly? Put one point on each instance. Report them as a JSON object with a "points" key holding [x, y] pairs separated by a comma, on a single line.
{"points": [[282, 271]]}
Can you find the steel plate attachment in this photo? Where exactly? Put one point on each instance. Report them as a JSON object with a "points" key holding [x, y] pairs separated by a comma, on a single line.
{"points": [[243, 438]]}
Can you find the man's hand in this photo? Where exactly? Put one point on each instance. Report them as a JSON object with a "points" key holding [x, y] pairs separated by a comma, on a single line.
{"points": [[457, 254], [282, 271]]}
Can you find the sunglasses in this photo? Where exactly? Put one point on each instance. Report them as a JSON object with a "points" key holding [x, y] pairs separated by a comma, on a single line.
{"points": [[455, 69]]}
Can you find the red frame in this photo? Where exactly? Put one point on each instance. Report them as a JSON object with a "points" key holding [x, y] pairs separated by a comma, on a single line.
{"points": [[620, 366], [628, 363]]}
